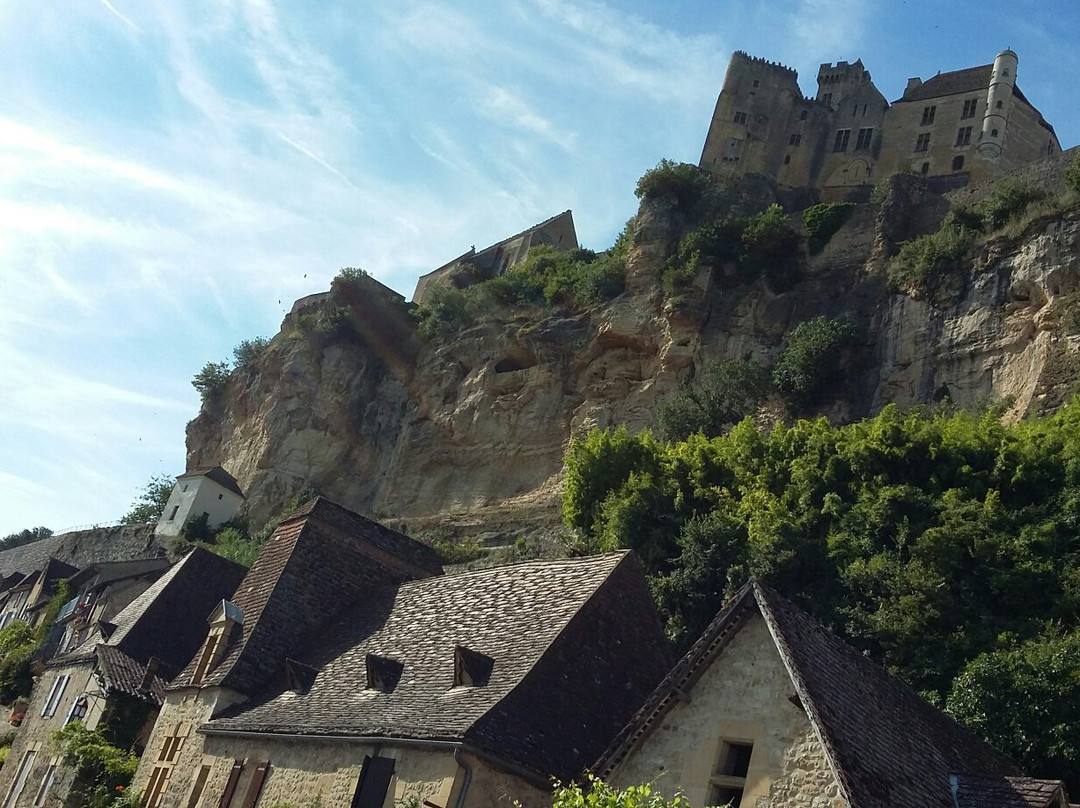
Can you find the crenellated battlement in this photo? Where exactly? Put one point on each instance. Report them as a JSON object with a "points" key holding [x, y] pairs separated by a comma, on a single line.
{"points": [[765, 62]]}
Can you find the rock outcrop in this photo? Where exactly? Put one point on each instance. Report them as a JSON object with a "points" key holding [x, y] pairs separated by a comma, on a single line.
{"points": [[470, 431]]}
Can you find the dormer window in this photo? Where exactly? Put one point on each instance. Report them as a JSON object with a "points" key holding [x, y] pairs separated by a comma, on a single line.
{"points": [[224, 618], [383, 673], [300, 677], [471, 668]]}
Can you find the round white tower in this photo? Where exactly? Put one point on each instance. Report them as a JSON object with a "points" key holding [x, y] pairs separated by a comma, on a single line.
{"points": [[998, 98]]}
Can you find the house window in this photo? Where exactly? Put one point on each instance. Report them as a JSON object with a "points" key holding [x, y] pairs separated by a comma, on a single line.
{"points": [[172, 513], [57, 692], [729, 778], [740, 117], [963, 136], [374, 782], [841, 142], [863, 141], [958, 162], [17, 785], [163, 766], [200, 784], [928, 114], [969, 108], [46, 783], [795, 140], [78, 710], [209, 654], [923, 142]]}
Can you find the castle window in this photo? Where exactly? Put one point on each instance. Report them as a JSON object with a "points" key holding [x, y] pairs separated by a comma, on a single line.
{"points": [[740, 117], [958, 162], [172, 514], [756, 82], [842, 138], [864, 109], [970, 107], [863, 141], [925, 168], [795, 140], [993, 133], [963, 136], [729, 778], [802, 115], [827, 98], [922, 143], [928, 114], [1005, 72], [854, 110], [787, 159], [999, 105]]}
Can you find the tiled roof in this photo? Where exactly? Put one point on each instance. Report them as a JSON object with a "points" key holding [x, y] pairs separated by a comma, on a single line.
{"points": [[168, 620], [27, 558], [317, 563], [104, 572], [887, 746], [218, 475], [576, 645], [1009, 792], [122, 674]]}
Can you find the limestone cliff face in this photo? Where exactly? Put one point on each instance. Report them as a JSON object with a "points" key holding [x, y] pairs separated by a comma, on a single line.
{"points": [[470, 431]]}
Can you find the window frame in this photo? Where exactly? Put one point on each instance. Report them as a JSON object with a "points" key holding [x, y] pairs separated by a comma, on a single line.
{"points": [[60, 683], [841, 141], [928, 115]]}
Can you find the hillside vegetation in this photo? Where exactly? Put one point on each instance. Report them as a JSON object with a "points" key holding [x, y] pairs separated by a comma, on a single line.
{"points": [[944, 544]]}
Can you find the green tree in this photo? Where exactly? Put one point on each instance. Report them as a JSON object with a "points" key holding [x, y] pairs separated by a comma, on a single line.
{"points": [[104, 771], [150, 504], [809, 362], [249, 350], [24, 536], [1024, 698], [211, 380], [683, 183], [723, 394]]}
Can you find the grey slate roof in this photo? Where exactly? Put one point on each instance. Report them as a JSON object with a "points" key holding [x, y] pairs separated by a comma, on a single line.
{"points": [[28, 557], [887, 745], [1009, 792], [83, 547], [576, 645], [317, 563], [104, 572]]}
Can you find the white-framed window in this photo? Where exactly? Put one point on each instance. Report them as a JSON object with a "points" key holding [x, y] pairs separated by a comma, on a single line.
{"points": [[57, 692], [78, 710], [46, 783], [17, 785]]}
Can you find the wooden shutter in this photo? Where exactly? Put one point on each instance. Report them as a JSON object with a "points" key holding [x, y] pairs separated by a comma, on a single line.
{"points": [[257, 780], [200, 784], [374, 782], [230, 786]]}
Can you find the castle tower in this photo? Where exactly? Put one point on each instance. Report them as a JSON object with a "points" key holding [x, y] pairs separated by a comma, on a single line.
{"points": [[998, 99]]}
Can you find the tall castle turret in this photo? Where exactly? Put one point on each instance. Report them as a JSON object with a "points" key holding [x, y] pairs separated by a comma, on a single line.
{"points": [[998, 100]]}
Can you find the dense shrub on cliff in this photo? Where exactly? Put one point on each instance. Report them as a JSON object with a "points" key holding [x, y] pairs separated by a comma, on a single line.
{"points": [[809, 361], [926, 539], [682, 183], [822, 221], [574, 279], [721, 396]]}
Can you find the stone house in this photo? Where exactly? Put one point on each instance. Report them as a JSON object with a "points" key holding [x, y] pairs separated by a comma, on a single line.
{"points": [[116, 676], [24, 596], [768, 708], [99, 592], [211, 492], [348, 671], [958, 127], [475, 266]]}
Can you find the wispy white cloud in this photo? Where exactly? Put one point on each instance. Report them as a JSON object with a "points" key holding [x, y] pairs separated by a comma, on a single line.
{"points": [[118, 15]]}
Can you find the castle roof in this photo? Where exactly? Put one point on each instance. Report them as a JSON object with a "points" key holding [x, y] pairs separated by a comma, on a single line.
{"points": [[885, 744], [572, 647]]}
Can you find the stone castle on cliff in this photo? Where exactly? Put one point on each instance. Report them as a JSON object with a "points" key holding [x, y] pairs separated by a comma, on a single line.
{"points": [[959, 127]]}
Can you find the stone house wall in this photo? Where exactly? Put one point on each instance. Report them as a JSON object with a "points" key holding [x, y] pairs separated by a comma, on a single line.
{"points": [[36, 735], [745, 696]]}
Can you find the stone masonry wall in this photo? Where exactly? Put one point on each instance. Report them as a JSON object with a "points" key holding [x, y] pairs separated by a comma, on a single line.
{"points": [[743, 697]]}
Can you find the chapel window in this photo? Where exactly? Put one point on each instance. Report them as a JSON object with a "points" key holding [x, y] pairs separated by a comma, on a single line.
{"points": [[795, 140], [922, 143], [928, 114], [740, 118], [958, 162], [963, 136], [970, 106]]}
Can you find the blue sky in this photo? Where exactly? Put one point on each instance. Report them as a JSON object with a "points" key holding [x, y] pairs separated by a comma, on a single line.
{"points": [[174, 174]]}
